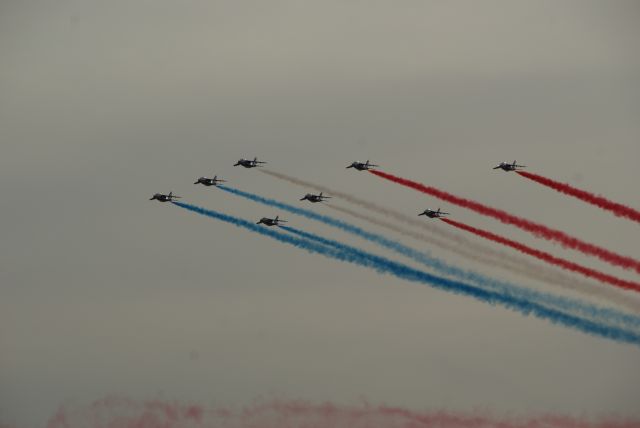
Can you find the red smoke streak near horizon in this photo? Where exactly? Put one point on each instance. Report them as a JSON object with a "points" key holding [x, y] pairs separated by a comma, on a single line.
{"points": [[618, 209], [126, 413], [537, 229], [546, 257]]}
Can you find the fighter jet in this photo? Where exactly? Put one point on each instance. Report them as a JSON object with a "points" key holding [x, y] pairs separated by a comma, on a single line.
{"points": [[248, 163], [433, 214], [362, 166], [506, 166], [315, 198], [271, 221], [164, 198], [210, 181]]}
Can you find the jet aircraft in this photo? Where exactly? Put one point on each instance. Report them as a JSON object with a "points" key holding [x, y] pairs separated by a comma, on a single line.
{"points": [[248, 163], [433, 214], [271, 221], [506, 166], [164, 198], [315, 198], [362, 166], [210, 181]]}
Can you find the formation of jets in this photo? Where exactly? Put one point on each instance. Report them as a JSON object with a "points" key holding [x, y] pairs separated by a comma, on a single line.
{"points": [[360, 166], [210, 181], [506, 166]]}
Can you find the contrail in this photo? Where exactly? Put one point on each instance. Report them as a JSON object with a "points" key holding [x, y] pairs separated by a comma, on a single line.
{"points": [[441, 266], [546, 257], [399, 270], [537, 229], [524, 267], [618, 209], [463, 246]]}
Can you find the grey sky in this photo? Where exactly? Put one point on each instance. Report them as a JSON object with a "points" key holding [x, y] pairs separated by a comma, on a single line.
{"points": [[105, 103]]}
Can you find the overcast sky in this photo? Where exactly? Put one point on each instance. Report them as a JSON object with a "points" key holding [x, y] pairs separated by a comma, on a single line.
{"points": [[103, 103]]}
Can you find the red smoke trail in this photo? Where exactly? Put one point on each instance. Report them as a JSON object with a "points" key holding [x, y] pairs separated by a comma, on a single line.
{"points": [[616, 208], [546, 257], [124, 413], [537, 229]]}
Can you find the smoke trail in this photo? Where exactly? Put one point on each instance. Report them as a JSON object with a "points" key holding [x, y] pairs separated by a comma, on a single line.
{"points": [[505, 288], [441, 266], [525, 267], [618, 209], [537, 229], [461, 242], [464, 247], [546, 257], [123, 412], [440, 244], [399, 270]]}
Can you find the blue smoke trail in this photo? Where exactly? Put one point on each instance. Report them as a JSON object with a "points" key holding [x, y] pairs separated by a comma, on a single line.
{"points": [[384, 265], [563, 303]]}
